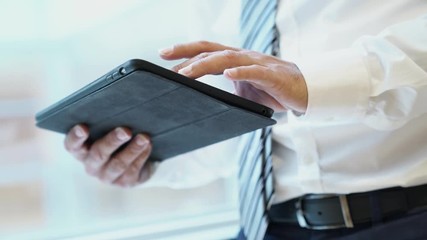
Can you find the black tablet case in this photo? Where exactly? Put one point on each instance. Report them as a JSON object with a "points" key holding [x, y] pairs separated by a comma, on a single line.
{"points": [[177, 117]]}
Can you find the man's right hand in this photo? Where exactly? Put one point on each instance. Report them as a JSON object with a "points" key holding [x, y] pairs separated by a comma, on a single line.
{"points": [[125, 168]]}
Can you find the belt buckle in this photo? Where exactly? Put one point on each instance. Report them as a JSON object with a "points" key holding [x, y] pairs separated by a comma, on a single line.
{"points": [[302, 221]]}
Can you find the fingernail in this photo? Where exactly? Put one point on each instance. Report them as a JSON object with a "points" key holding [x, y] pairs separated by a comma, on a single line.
{"points": [[141, 140], [79, 132], [121, 134], [165, 51]]}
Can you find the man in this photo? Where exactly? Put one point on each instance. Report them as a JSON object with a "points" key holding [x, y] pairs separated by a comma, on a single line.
{"points": [[352, 91]]}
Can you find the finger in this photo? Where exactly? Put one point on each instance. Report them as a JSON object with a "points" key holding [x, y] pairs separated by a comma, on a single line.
{"points": [[288, 89], [258, 74], [75, 141], [189, 50], [138, 171], [255, 93], [260, 77], [217, 63], [101, 150], [184, 64], [120, 162], [275, 79]]}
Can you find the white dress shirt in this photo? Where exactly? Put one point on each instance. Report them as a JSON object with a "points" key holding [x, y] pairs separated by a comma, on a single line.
{"points": [[365, 64]]}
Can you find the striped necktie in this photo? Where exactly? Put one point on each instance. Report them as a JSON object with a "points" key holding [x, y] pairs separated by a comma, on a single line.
{"points": [[259, 33]]}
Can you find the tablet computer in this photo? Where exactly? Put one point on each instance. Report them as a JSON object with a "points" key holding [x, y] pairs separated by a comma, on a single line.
{"points": [[178, 113]]}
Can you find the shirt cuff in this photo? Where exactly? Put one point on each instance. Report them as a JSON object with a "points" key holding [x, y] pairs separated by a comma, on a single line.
{"points": [[338, 86]]}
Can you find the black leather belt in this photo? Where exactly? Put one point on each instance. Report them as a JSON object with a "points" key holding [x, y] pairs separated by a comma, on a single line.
{"points": [[331, 211]]}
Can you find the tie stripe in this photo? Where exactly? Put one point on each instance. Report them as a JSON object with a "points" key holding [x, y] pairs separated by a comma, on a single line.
{"points": [[256, 184], [257, 29]]}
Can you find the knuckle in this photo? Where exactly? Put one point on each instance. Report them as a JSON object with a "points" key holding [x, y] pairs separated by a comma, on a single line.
{"points": [[253, 55], [104, 178], [203, 55], [90, 170], [135, 148], [199, 64], [230, 54], [177, 46], [247, 52], [116, 165], [123, 182], [239, 72], [177, 67], [97, 155], [180, 66], [129, 179], [258, 68], [120, 184], [276, 67], [134, 169], [204, 43], [192, 67]]}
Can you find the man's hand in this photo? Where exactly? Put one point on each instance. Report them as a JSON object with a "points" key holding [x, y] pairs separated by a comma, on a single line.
{"points": [[125, 168], [261, 78]]}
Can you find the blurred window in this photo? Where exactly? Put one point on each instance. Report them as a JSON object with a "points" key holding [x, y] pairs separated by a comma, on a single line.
{"points": [[50, 49]]}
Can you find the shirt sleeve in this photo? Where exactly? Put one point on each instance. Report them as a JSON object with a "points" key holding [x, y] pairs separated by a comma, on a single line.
{"points": [[380, 80]]}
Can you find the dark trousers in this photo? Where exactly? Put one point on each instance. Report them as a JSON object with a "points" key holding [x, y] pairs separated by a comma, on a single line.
{"points": [[408, 227]]}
